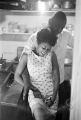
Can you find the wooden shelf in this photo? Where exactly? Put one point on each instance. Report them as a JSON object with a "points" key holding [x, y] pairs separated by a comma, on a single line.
{"points": [[14, 33], [14, 37], [68, 12]]}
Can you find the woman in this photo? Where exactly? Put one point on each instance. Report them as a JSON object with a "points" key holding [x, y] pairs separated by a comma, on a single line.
{"points": [[43, 72]]}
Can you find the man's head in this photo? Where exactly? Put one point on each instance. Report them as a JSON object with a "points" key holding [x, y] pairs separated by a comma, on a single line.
{"points": [[57, 22]]}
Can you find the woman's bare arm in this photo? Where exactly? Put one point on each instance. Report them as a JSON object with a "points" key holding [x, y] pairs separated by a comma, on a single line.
{"points": [[19, 70]]}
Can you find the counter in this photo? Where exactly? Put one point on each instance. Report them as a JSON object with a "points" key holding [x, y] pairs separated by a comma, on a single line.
{"points": [[9, 89]]}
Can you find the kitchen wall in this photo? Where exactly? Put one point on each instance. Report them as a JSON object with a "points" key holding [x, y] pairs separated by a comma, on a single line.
{"points": [[29, 19], [33, 22]]}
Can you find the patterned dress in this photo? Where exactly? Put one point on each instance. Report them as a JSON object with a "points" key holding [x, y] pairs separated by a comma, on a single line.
{"points": [[64, 39], [40, 71]]}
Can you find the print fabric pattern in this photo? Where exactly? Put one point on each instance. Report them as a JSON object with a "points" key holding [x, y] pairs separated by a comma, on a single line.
{"points": [[40, 71]]}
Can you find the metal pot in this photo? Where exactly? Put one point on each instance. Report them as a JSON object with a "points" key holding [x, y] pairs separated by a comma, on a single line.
{"points": [[40, 4], [68, 5]]}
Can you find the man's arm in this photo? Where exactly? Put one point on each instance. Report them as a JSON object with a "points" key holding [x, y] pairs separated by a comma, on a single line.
{"points": [[69, 38], [55, 75], [30, 44]]}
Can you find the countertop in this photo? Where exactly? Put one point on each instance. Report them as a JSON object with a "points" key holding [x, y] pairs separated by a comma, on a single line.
{"points": [[9, 89], [11, 94]]}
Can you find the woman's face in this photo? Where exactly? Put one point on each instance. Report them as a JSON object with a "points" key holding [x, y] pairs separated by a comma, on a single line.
{"points": [[43, 49]]}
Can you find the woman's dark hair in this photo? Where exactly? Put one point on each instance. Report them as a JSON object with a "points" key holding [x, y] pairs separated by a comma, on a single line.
{"points": [[57, 22], [46, 36]]}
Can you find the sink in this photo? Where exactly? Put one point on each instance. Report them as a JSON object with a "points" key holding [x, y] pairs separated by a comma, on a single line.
{"points": [[9, 107], [13, 112], [11, 94], [2, 61], [9, 79]]}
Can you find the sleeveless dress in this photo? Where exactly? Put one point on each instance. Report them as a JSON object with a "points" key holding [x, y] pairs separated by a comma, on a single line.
{"points": [[40, 71]]}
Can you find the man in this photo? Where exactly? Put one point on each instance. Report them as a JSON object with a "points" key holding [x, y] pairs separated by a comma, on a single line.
{"points": [[56, 24]]}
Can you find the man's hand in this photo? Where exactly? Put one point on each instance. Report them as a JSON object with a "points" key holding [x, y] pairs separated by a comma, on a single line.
{"points": [[25, 91], [36, 92], [24, 94], [49, 102]]}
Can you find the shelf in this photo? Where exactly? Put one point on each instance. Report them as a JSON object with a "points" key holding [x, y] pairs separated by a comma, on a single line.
{"points": [[68, 12], [22, 37], [19, 33]]}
